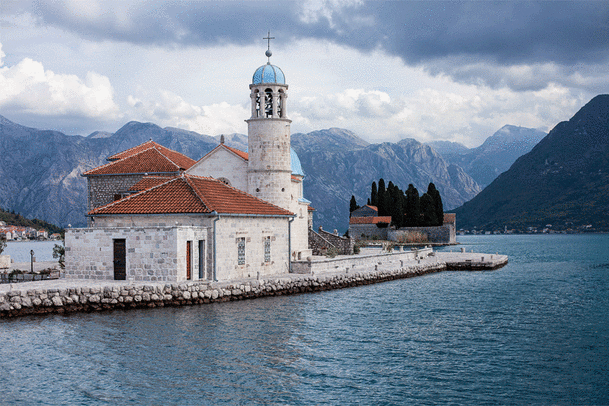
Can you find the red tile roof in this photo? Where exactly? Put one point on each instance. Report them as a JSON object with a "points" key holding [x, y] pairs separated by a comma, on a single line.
{"points": [[242, 154], [149, 181], [179, 159], [150, 160], [191, 194], [372, 207], [370, 220]]}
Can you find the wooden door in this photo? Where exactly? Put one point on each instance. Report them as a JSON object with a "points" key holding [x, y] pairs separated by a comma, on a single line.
{"points": [[120, 262], [188, 260]]}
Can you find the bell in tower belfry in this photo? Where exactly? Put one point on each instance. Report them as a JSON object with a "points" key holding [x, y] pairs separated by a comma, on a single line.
{"points": [[269, 167]]}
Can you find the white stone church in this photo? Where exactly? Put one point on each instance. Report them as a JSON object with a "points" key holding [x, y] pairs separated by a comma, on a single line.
{"points": [[157, 215]]}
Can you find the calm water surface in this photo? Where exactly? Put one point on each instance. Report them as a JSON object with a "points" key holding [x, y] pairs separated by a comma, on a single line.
{"points": [[534, 332], [20, 250]]}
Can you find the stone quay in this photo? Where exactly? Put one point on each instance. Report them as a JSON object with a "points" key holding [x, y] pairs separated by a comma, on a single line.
{"points": [[69, 296]]}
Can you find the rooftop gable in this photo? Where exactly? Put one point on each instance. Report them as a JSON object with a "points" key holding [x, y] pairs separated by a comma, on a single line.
{"points": [[150, 160], [179, 159]]}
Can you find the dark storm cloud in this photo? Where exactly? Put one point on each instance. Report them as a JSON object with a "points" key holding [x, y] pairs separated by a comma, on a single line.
{"points": [[565, 33]]}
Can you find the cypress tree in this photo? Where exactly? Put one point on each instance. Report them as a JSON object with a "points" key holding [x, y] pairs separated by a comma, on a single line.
{"points": [[397, 207], [352, 205], [413, 208], [437, 201], [373, 195], [428, 210], [381, 198]]}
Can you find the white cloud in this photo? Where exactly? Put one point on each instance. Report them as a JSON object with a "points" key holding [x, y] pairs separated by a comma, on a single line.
{"points": [[314, 10], [28, 88], [171, 110]]}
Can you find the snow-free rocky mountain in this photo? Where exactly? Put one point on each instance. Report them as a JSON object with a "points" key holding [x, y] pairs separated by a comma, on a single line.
{"points": [[40, 170], [563, 181], [494, 156]]}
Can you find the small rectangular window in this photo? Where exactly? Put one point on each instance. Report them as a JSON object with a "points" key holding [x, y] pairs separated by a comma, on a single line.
{"points": [[241, 250], [267, 249]]}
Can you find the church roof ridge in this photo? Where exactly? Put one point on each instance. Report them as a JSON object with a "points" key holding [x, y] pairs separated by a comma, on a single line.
{"points": [[190, 194], [149, 160]]}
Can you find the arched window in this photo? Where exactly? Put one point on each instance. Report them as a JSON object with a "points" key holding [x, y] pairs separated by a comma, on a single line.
{"points": [[225, 181], [268, 103], [280, 101], [258, 113]]}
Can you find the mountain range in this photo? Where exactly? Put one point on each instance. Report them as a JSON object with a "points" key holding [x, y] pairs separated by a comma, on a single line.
{"points": [[494, 156], [40, 169], [563, 181]]}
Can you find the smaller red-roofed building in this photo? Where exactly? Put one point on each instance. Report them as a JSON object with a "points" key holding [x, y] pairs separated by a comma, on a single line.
{"points": [[114, 180], [178, 229]]}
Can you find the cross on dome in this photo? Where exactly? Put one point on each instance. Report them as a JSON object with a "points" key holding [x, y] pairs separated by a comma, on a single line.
{"points": [[268, 52]]}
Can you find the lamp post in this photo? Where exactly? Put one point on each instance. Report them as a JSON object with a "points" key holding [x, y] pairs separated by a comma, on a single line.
{"points": [[32, 261]]}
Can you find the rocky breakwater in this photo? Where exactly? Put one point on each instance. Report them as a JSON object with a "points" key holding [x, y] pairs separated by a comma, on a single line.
{"points": [[71, 296]]}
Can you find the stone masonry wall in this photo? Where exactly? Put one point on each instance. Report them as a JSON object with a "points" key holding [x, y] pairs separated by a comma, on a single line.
{"points": [[101, 189], [125, 295], [368, 230], [344, 244], [318, 244]]}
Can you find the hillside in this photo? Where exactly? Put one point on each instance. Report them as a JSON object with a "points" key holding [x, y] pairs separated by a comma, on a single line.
{"points": [[494, 156], [15, 219], [563, 181]]}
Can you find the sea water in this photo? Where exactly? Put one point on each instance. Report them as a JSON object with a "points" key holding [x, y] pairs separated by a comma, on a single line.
{"points": [[533, 332]]}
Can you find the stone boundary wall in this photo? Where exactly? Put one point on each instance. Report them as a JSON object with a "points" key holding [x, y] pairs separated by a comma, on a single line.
{"points": [[440, 234], [344, 244], [112, 296], [362, 262], [318, 244], [368, 230]]}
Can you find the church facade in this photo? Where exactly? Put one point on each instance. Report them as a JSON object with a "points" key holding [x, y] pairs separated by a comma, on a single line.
{"points": [[157, 215]]}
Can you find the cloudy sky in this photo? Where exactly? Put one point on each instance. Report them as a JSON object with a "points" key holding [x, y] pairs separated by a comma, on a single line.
{"points": [[386, 70]]}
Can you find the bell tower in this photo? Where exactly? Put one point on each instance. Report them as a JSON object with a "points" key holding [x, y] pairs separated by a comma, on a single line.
{"points": [[269, 167]]}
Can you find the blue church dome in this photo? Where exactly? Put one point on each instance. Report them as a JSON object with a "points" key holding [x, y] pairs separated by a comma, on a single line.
{"points": [[268, 74], [296, 167]]}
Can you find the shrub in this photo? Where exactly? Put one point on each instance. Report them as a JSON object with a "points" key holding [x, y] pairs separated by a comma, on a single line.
{"points": [[413, 237], [331, 252], [59, 251]]}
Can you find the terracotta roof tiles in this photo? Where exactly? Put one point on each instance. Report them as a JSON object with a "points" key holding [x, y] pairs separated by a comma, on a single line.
{"points": [[179, 159], [191, 194], [151, 160], [149, 181], [370, 220]]}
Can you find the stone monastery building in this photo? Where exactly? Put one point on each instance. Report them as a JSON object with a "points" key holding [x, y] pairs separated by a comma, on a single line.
{"points": [[157, 215]]}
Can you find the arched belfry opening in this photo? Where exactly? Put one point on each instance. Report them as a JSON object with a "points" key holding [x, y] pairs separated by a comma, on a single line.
{"points": [[268, 103]]}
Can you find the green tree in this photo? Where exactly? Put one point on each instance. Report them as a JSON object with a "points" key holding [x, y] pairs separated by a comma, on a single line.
{"points": [[59, 251], [397, 207], [381, 198], [428, 210], [352, 205], [413, 207], [437, 201], [373, 195]]}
